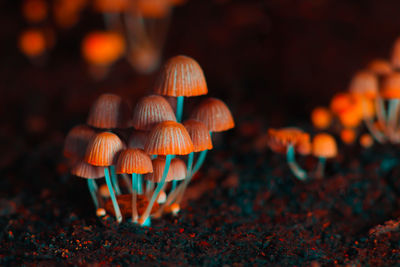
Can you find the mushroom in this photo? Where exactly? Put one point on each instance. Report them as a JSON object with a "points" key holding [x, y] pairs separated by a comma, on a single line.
{"points": [[290, 141], [323, 147], [348, 135], [181, 77], [101, 151], [321, 118], [390, 91], [216, 115], [135, 162], [366, 141], [76, 142], [167, 139], [85, 170]]}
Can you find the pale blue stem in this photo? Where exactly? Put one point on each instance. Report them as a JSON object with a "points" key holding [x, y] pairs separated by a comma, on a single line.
{"points": [[294, 167], [173, 187], [185, 183], [320, 171], [115, 180], [92, 189], [139, 184], [156, 193], [134, 197], [179, 108], [134, 182], [118, 214], [393, 117], [200, 160]]}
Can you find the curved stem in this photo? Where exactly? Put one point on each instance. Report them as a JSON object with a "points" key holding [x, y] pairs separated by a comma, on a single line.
{"points": [[294, 167], [118, 214], [320, 171], [179, 108], [115, 180], [156, 193], [93, 192], [134, 192], [127, 182], [199, 162]]}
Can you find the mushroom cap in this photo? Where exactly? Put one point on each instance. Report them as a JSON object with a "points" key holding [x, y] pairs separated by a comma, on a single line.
{"points": [[153, 8], [215, 114], [133, 160], [103, 48], [85, 170], [380, 67], [391, 86], [395, 58], [324, 146], [138, 139], [178, 169], [32, 42], [158, 169], [150, 111], [321, 117], [109, 111], [280, 139], [348, 135], [366, 140], [181, 76], [145, 58], [340, 102], [364, 83], [350, 117], [103, 148], [77, 140], [169, 138], [199, 134]]}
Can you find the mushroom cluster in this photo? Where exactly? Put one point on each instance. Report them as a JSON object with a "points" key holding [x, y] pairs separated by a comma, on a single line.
{"points": [[162, 153], [135, 29]]}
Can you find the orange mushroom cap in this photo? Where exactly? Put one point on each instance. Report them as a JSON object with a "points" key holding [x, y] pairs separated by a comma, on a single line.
{"points": [[364, 83], [321, 118], [85, 170], [32, 42], [324, 146], [103, 48], [215, 114], [169, 138], [178, 169], [109, 111], [150, 111], [77, 140], [391, 86], [366, 140], [280, 139], [340, 102], [348, 136], [103, 148], [199, 134], [395, 58], [181, 76], [153, 8], [380, 67], [351, 117], [133, 160], [158, 169], [138, 139], [34, 10]]}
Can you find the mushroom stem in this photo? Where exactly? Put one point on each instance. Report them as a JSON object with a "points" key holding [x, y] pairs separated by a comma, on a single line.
{"points": [[381, 113], [176, 195], [139, 184], [118, 214], [149, 188], [392, 117], [179, 108], [378, 136], [156, 193], [294, 167], [115, 180], [127, 182], [320, 171], [134, 192], [93, 192]]}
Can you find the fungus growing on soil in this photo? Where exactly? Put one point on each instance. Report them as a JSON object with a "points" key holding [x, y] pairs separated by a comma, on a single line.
{"points": [[181, 77], [167, 139], [136, 163], [101, 151], [323, 147], [289, 141]]}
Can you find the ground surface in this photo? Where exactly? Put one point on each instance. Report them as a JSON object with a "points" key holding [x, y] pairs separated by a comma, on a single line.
{"points": [[271, 61]]}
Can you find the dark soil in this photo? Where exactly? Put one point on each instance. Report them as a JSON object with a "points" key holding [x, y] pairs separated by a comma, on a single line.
{"points": [[244, 207]]}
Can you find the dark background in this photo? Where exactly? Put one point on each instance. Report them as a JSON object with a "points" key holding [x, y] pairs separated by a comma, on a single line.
{"points": [[273, 60]]}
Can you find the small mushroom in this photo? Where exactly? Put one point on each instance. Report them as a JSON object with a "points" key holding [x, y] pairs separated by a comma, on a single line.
{"points": [[323, 147]]}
